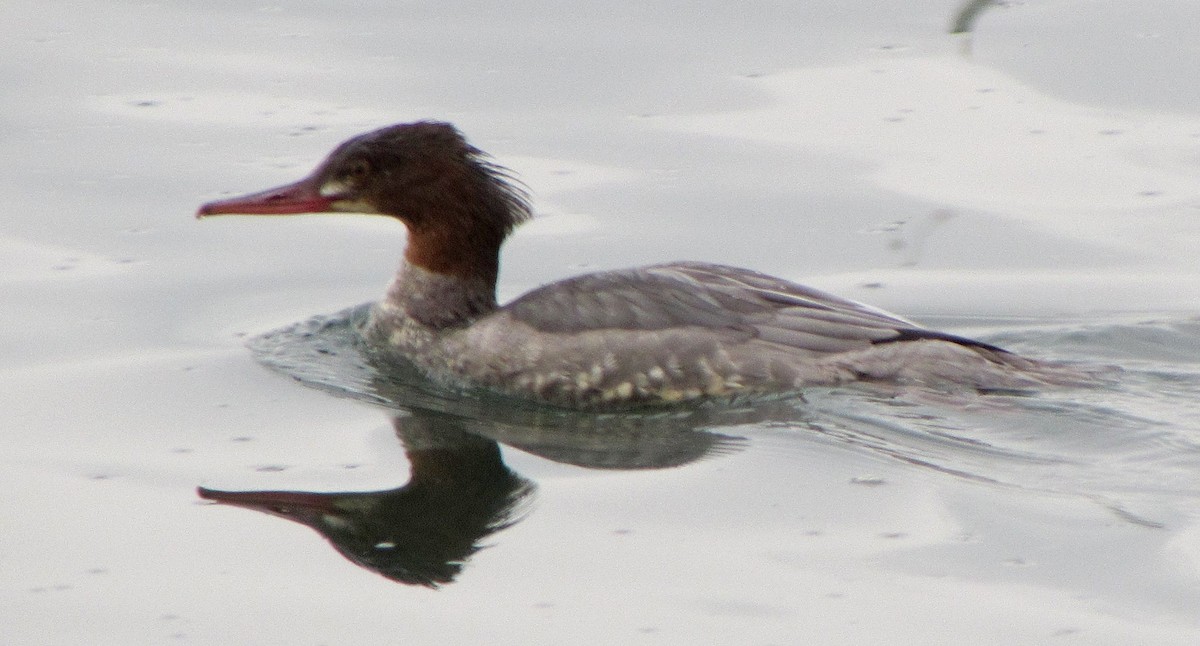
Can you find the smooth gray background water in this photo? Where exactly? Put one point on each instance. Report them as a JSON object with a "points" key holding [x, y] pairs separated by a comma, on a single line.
{"points": [[1033, 182]]}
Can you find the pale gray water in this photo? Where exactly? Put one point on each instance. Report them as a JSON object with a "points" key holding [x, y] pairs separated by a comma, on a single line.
{"points": [[1033, 184]]}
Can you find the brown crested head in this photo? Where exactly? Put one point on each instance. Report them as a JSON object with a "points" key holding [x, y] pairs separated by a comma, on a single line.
{"points": [[451, 196], [419, 172]]}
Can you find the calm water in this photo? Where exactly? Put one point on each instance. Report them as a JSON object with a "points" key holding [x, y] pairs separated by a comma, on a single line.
{"points": [[1031, 183]]}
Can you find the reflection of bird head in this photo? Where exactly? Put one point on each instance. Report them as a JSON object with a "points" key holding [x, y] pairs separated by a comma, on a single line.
{"points": [[421, 533]]}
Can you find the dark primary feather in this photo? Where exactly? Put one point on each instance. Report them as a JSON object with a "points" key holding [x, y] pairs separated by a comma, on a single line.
{"points": [[719, 298]]}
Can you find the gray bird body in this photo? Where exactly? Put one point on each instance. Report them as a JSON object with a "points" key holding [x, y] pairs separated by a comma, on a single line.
{"points": [[658, 334]]}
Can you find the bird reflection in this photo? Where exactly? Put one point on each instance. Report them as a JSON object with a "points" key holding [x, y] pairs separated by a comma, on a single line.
{"points": [[459, 492]]}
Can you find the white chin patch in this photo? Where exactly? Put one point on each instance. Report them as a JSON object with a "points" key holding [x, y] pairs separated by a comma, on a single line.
{"points": [[333, 188]]}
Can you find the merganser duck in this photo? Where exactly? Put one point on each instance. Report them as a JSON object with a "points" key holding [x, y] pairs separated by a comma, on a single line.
{"points": [[659, 334]]}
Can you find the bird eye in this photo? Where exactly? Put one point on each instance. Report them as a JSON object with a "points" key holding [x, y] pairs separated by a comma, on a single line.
{"points": [[358, 169]]}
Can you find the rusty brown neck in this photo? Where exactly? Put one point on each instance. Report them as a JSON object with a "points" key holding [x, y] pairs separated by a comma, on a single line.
{"points": [[458, 214], [469, 255], [449, 272]]}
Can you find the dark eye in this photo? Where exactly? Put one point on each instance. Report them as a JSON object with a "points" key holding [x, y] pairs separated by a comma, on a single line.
{"points": [[358, 169]]}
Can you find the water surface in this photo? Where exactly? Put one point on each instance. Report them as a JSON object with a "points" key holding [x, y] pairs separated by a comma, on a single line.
{"points": [[1030, 183]]}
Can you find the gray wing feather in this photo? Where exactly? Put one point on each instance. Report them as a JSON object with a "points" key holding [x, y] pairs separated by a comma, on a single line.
{"points": [[808, 341], [716, 298]]}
